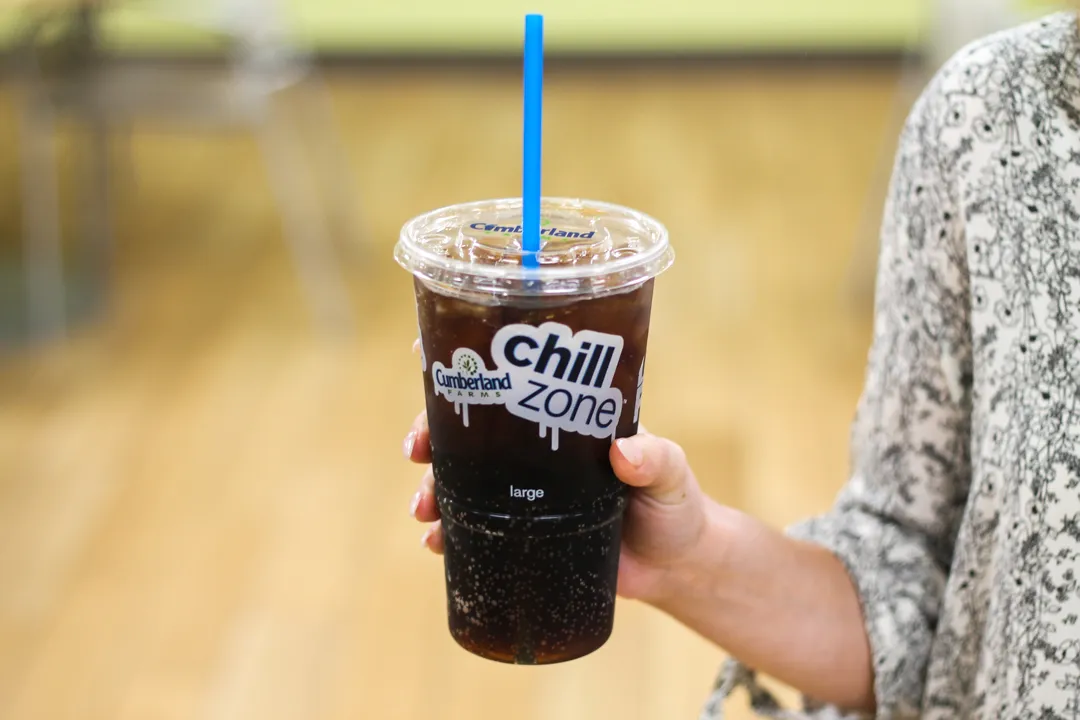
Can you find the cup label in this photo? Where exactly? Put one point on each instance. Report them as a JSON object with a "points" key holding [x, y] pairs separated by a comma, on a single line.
{"points": [[548, 375]]}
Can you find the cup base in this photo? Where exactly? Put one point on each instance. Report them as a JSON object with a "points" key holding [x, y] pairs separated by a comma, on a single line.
{"points": [[525, 657], [539, 592]]}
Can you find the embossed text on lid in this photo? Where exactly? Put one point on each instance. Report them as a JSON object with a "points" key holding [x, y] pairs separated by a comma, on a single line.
{"points": [[587, 247]]}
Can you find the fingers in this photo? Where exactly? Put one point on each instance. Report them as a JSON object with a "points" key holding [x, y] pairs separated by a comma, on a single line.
{"points": [[433, 538], [417, 448], [655, 465], [423, 506], [417, 445]]}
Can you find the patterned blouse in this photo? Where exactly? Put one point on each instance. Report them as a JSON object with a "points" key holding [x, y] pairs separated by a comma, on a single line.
{"points": [[960, 524]]}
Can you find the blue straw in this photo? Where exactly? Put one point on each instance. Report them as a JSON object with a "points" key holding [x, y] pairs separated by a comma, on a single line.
{"points": [[534, 101]]}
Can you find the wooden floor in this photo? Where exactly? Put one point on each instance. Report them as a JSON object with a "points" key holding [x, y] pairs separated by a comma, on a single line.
{"points": [[203, 505]]}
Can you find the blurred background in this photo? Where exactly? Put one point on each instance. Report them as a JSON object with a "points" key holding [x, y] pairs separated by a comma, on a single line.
{"points": [[205, 368]]}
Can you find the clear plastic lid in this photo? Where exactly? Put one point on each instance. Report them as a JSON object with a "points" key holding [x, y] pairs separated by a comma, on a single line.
{"points": [[587, 248]]}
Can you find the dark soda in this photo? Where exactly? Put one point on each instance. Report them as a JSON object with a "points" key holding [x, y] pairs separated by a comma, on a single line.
{"points": [[524, 400]]}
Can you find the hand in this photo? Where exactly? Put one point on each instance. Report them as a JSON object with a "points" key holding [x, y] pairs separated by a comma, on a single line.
{"points": [[666, 517], [417, 448], [664, 521]]}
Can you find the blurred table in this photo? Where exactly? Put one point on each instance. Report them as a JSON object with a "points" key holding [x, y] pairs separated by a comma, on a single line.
{"points": [[70, 73]]}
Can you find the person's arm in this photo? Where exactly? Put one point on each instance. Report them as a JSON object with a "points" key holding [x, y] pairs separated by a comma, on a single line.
{"points": [[847, 614], [781, 605], [785, 606]]}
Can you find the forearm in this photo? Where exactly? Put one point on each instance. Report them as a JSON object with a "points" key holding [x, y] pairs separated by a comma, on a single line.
{"points": [[784, 607]]}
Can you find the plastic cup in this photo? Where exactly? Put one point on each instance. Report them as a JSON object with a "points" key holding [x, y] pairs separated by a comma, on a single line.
{"points": [[530, 374]]}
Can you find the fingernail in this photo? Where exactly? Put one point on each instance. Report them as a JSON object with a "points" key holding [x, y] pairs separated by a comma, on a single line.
{"points": [[410, 441], [631, 451], [414, 504], [427, 536], [416, 345]]}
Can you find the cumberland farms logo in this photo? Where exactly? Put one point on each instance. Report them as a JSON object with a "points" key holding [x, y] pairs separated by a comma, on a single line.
{"points": [[546, 228], [548, 375], [467, 382]]}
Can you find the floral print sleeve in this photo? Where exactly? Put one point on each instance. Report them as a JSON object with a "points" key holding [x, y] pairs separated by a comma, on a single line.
{"points": [[895, 522], [960, 523]]}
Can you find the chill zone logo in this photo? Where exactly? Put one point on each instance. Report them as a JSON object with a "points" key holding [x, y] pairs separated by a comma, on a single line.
{"points": [[547, 375]]}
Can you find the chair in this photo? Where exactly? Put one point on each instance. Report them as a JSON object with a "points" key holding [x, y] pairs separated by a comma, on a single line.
{"points": [[69, 73]]}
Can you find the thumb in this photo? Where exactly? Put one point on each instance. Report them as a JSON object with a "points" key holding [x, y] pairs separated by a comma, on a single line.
{"points": [[655, 465]]}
